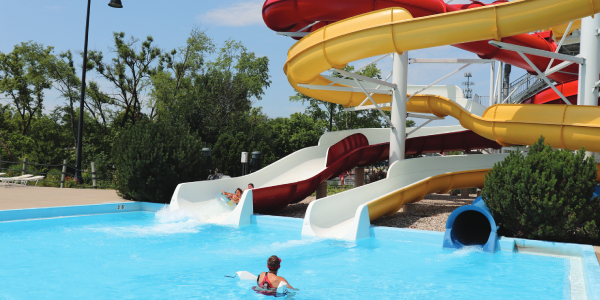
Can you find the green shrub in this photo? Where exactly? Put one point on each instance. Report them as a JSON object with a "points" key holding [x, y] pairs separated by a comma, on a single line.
{"points": [[153, 158], [545, 195]]}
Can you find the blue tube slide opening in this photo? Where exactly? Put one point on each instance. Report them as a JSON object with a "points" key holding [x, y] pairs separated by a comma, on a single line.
{"points": [[472, 225]]}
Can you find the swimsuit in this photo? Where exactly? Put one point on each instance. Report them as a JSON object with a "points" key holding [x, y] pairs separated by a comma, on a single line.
{"points": [[265, 287], [266, 283]]}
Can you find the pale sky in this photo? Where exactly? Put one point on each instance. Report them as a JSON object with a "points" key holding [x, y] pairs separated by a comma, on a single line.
{"points": [[61, 24]]}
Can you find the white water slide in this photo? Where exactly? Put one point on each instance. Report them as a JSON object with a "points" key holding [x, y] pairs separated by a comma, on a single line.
{"points": [[196, 197], [346, 215]]}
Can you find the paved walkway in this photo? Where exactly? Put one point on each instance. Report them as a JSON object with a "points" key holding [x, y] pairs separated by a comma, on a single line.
{"points": [[32, 197]]}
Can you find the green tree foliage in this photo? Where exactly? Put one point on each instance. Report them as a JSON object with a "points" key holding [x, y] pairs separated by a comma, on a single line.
{"points": [[545, 195], [249, 133], [294, 133], [152, 158], [24, 76], [210, 96], [62, 71], [129, 72], [43, 143], [274, 138]]}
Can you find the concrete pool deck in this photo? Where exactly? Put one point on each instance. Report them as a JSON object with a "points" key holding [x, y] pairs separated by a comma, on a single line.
{"points": [[37, 197]]}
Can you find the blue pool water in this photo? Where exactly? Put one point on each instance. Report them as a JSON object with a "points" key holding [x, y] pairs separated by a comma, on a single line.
{"points": [[141, 255]]}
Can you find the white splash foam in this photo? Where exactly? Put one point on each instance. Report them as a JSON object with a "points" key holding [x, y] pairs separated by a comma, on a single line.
{"points": [[211, 211], [189, 226], [167, 221]]}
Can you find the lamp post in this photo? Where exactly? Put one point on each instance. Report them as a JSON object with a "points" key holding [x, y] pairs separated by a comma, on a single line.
{"points": [[468, 91], [115, 4]]}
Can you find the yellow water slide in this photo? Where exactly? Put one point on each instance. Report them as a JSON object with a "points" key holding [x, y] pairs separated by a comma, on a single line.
{"points": [[395, 30]]}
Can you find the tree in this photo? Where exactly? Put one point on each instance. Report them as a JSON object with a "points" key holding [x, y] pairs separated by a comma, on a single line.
{"points": [[62, 70], [24, 76], [251, 132], [129, 72], [294, 133], [152, 158], [545, 195], [177, 71], [208, 95]]}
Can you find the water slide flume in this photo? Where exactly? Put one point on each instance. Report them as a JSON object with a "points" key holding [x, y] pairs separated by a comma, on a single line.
{"points": [[296, 176], [348, 215], [294, 15], [394, 30]]}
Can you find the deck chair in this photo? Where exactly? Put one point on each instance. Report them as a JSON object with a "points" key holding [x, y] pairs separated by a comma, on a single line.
{"points": [[6, 180], [24, 181]]}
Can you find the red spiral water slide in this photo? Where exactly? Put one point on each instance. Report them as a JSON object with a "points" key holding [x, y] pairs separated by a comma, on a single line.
{"points": [[293, 15]]}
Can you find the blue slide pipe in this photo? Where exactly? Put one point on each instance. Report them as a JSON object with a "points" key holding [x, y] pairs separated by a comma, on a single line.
{"points": [[472, 225]]}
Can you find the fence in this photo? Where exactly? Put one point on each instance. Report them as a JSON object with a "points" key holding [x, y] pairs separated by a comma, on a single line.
{"points": [[483, 100], [525, 86], [67, 175]]}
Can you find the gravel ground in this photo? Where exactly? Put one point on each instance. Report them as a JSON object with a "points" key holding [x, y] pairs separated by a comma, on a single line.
{"points": [[430, 213]]}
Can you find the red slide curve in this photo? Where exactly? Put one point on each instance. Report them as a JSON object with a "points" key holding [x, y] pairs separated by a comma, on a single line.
{"points": [[293, 15], [549, 96], [355, 150]]}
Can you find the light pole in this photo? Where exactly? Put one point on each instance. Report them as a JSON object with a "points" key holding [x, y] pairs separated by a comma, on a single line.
{"points": [[115, 4], [468, 91]]}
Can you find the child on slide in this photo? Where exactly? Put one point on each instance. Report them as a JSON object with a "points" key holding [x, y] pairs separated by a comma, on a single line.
{"points": [[235, 198]]}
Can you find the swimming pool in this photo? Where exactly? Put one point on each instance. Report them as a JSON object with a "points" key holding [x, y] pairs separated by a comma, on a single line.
{"points": [[136, 255]]}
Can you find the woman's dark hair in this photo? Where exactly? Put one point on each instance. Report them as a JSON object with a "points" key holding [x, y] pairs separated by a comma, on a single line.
{"points": [[238, 189], [252, 184], [273, 262]]}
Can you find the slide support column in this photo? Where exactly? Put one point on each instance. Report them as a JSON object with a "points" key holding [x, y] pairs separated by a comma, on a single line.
{"points": [[399, 100], [492, 80], [589, 72]]}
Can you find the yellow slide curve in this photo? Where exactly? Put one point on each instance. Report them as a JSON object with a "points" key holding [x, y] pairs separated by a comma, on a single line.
{"points": [[395, 30]]}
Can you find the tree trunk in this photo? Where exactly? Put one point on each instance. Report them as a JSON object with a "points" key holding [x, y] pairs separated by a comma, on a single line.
{"points": [[6, 147]]}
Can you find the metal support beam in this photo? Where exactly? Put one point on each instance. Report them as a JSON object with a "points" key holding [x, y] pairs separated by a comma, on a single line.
{"points": [[364, 78], [560, 44], [298, 33], [542, 76], [507, 46], [293, 34], [431, 84], [497, 77], [420, 126], [499, 81], [558, 67], [399, 100], [492, 79], [589, 72], [449, 61], [346, 89], [420, 116], [376, 60], [366, 107], [374, 103], [367, 98]]}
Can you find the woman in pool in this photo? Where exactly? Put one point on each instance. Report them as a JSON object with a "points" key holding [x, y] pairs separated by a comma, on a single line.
{"points": [[269, 281], [235, 198]]}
